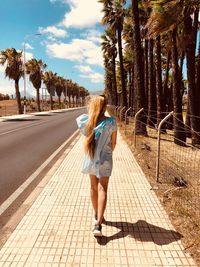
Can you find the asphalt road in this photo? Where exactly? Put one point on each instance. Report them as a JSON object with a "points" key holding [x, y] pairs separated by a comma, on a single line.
{"points": [[25, 144]]}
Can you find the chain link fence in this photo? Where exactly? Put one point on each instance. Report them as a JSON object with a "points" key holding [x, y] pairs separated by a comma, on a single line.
{"points": [[173, 170]]}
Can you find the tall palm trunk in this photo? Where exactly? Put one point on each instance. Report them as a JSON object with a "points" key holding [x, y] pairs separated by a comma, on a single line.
{"points": [[139, 70], [152, 114], [130, 86], [59, 102], [51, 101], [165, 86], [114, 83], [198, 74], [146, 49], [159, 89], [38, 98], [193, 93], [122, 73], [179, 128], [69, 101], [18, 97]]}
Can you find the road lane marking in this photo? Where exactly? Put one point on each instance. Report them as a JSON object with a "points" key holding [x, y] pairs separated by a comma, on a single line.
{"points": [[18, 129], [4, 206], [30, 125]]}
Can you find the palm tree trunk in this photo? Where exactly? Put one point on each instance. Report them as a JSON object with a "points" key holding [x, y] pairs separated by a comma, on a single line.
{"points": [[159, 81], [193, 93], [146, 49], [198, 74], [165, 86], [51, 101], [152, 114], [59, 102], [133, 87], [139, 69], [122, 74], [114, 80], [18, 97], [130, 86], [179, 127], [38, 98]]}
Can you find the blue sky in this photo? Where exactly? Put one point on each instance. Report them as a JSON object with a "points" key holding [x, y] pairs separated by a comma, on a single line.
{"points": [[69, 42]]}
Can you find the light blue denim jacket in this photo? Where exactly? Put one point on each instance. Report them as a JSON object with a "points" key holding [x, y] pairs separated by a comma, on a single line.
{"points": [[101, 164]]}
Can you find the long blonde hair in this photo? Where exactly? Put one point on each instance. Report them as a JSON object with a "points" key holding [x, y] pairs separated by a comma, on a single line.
{"points": [[96, 108]]}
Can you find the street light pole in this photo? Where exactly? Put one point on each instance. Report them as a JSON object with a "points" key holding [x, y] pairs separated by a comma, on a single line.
{"points": [[24, 63], [24, 78]]}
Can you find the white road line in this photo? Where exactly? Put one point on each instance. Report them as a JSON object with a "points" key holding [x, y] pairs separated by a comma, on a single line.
{"points": [[18, 129], [16, 194], [35, 124]]}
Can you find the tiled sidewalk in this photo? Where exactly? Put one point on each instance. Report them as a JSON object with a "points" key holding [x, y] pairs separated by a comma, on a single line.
{"points": [[56, 231]]}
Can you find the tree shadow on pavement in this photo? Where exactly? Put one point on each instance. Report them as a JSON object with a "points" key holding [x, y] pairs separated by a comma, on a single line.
{"points": [[142, 231]]}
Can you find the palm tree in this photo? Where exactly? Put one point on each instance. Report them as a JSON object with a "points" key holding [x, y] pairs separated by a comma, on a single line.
{"points": [[35, 70], [114, 14], [167, 16], [74, 92], [12, 59], [193, 92], [179, 133], [60, 87], [152, 92], [108, 79], [129, 55], [69, 90], [139, 71], [159, 87], [129, 69], [110, 51], [49, 79]]}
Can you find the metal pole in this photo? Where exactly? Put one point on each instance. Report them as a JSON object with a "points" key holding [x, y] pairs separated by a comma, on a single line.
{"points": [[158, 145], [136, 115], [118, 111], [65, 97], [24, 78], [42, 100], [126, 118], [120, 115]]}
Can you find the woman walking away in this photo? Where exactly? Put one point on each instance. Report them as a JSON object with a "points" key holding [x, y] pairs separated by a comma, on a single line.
{"points": [[100, 140]]}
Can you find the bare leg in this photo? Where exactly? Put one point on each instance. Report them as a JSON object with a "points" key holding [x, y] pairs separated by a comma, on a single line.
{"points": [[102, 197], [94, 192]]}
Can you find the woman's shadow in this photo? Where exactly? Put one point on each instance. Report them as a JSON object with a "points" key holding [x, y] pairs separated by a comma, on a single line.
{"points": [[142, 231]]}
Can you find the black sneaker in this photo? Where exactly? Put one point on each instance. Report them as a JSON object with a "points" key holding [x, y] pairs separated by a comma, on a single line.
{"points": [[97, 230]]}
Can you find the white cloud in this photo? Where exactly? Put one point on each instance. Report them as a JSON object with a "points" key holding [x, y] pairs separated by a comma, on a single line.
{"points": [[78, 50], [27, 46], [82, 15], [53, 31], [54, 1], [94, 77], [93, 35], [8, 86], [83, 69], [28, 55], [2, 69]]}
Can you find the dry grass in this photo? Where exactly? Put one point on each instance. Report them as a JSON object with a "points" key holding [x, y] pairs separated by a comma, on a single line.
{"points": [[8, 103], [8, 107], [181, 204]]}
